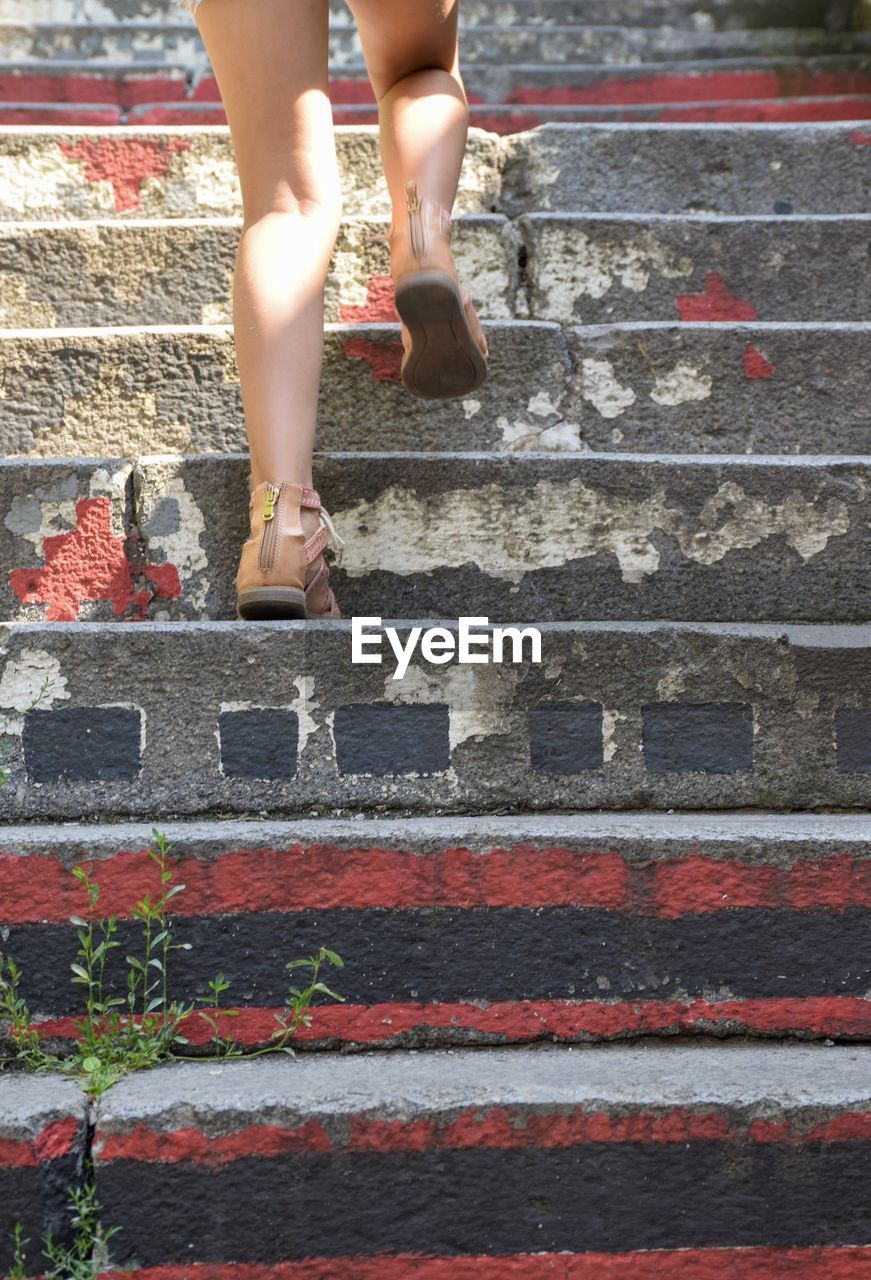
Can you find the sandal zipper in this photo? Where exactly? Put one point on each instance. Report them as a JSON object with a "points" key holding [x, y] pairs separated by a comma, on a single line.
{"points": [[416, 233], [267, 540]]}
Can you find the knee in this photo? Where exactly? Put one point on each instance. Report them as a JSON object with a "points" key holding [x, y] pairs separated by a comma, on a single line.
{"points": [[421, 80], [319, 209]]}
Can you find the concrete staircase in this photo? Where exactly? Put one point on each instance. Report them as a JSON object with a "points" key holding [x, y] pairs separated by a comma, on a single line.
{"points": [[534, 872]]}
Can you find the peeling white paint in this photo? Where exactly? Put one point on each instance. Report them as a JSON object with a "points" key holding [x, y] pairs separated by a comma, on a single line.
{"points": [[471, 407], [182, 546], [552, 523], [304, 705], [610, 720], [682, 384], [569, 264], [599, 386], [49, 510], [524, 437], [35, 674]]}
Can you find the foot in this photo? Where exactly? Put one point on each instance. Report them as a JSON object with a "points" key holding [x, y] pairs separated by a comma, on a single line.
{"points": [[282, 571], [445, 351]]}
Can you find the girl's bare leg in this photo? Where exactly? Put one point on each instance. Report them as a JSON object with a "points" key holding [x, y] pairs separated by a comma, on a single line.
{"points": [[413, 63], [270, 60]]}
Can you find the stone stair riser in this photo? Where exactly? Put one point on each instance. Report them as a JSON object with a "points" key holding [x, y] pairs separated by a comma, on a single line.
{"points": [[134, 392], [90, 44], [555, 539], [411, 1176], [576, 269], [696, 388], [558, 539], [458, 933], [43, 1143], [629, 716], [181, 272], [137, 173]]}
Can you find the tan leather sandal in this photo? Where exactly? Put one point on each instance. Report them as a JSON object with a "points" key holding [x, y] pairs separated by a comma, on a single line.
{"points": [[282, 574], [446, 352]]}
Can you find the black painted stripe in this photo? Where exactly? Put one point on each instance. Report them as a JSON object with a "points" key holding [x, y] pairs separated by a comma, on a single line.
{"points": [[450, 954], [597, 1197]]}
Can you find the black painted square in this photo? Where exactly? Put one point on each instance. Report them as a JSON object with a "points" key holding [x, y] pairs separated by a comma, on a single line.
{"points": [[259, 743], [698, 737], [82, 744], [388, 741], [565, 737], [853, 739]]}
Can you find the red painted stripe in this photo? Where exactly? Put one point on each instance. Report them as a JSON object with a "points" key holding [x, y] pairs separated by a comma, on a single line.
{"points": [[56, 1139], [699, 86], [819, 1016], [494, 1128], [125, 88], [828, 1263], [324, 877]]}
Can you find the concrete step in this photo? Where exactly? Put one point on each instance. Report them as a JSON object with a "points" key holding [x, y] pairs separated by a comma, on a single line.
{"points": [[479, 931], [43, 1143], [62, 173], [648, 388], [677, 1160], [727, 79], [180, 271], [604, 268], [616, 715], [569, 268], [494, 118], [700, 15], [115, 43], [561, 538]]}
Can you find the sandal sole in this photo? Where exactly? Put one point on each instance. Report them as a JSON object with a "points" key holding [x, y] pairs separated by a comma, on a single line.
{"points": [[444, 359], [271, 604]]}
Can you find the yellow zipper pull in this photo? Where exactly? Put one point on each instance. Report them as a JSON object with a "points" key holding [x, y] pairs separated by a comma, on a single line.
{"points": [[272, 492]]}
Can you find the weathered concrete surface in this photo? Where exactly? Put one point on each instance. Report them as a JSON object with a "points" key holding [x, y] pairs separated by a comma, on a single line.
{"points": [[90, 43], [63, 173], [495, 930], [133, 391], [552, 538], [579, 268], [597, 270], [721, 388], [386, 1158], [42, 1149], [726, 169], [703, 15], [180, 272], [725, 716], [645, 388], [49, 174]]}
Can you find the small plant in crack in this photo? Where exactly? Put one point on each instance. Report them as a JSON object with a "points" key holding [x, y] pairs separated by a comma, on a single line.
{"points": [[85, 1257], [120, 1033]]}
